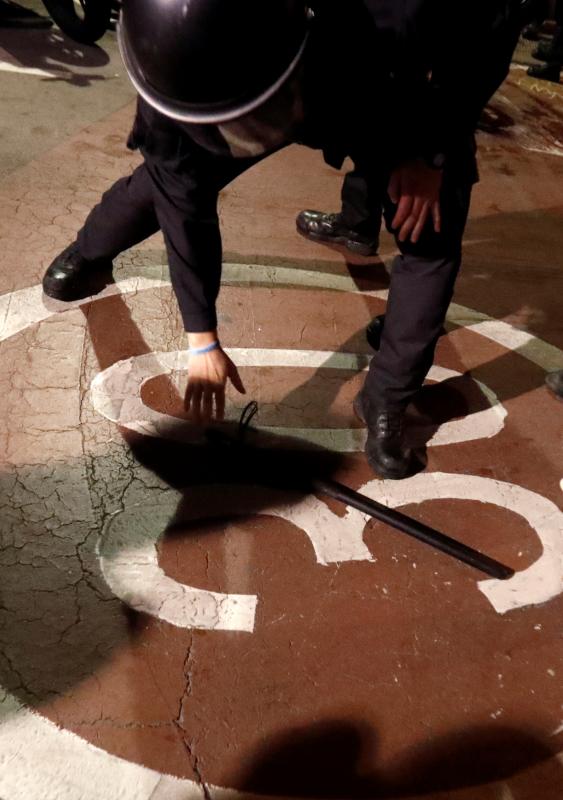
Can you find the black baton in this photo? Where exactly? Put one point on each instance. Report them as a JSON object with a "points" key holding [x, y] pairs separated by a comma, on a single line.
{"points": [[412, 527]]}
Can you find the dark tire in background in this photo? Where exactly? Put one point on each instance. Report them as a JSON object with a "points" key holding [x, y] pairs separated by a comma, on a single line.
{"points": [[85, 21]]}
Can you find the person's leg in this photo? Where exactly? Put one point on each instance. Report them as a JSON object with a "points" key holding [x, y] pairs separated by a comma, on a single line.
{"points": [[422, 282], [357, 225], [361, 202], [124, 217], [421, 288]]}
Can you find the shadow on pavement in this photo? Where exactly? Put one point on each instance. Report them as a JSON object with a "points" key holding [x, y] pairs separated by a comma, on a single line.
{"points": [[56, 54], [338, 759]]}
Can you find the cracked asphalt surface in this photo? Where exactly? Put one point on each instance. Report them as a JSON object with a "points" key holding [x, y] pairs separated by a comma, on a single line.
{"points": [[384, 672]]}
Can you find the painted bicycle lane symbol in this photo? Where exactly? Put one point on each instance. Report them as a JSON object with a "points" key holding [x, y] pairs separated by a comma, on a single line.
{"points": [[190, 607]]}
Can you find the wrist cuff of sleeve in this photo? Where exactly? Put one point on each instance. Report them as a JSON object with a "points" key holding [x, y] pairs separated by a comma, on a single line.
{"points": [[198, 322]]}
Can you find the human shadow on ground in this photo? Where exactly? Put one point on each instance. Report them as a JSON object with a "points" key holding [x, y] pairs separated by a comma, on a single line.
{"points": [[59, 620], [339, 759], [55, 53]]}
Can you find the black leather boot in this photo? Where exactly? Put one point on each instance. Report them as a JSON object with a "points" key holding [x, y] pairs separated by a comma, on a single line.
{"points": [[532, 32], [386, 451], [554, 381], [543, 52], [374, 331], [70, 277], [329, 228], [546, 72]]}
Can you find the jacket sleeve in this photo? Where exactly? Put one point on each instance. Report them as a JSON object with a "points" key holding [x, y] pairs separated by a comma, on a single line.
{"points": [[468, 68], [446, 60]]}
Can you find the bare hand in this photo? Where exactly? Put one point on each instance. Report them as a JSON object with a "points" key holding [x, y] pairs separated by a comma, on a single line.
{"points": [[415, 189], [207, 377]]}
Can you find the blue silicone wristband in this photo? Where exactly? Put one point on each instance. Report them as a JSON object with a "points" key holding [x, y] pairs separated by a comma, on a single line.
{"points": [[200, 351]]}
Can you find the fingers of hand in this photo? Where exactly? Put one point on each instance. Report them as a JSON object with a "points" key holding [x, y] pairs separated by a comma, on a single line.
{"points": [[235, 379], [220, 403], [423, 213], [437, 217], [194, 408], [206, 386], [204, 402], [413, 220], [207, 405], [404, 210]]}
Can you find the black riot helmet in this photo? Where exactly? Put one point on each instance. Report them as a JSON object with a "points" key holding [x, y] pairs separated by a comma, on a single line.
{"points": [[210, 61]]}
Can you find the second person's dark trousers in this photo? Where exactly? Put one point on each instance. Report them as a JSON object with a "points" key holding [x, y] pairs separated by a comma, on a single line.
{"points": [[422, 280]]}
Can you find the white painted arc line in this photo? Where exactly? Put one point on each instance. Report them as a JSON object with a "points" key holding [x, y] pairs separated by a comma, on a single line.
{"points": [[26, 307], [40, 760], [537, 584], [19, 749], [129, 560], [129, 564], [116, 394], [288, 277], [7, 66], [37, 759], [525, 344]]}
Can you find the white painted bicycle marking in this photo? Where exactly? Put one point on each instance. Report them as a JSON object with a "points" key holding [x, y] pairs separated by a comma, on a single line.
{"points": [[116, 395], [129, 559], [543, 580], [39, 759]]}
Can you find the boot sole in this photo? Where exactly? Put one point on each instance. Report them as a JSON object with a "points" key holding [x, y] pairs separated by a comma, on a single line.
{"points": [[357, 248]]}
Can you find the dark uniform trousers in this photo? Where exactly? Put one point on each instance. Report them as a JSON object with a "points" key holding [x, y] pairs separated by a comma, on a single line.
{"points": [[179, 196]]}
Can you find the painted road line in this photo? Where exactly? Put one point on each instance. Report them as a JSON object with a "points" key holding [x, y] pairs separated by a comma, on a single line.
{"points": [[129, 563], [127, 550], [25, 307], [129, 560], [9, 66], [543, 580], [37, 759], [116, 394]]}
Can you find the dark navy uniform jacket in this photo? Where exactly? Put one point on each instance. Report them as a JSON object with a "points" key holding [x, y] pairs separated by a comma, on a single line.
{"points": [[400, 78]]}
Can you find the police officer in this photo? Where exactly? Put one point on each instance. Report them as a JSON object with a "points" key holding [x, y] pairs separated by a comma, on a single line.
{"points": [[224, 83]]}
